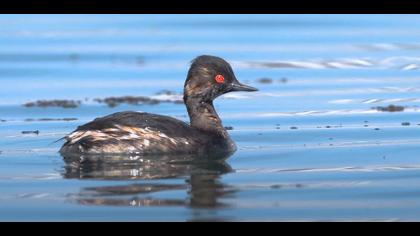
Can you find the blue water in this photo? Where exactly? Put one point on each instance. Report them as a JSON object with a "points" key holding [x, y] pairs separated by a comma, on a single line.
{"points": [[343, 161]]}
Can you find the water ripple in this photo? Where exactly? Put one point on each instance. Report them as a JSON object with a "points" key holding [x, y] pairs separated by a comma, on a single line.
{"points": [[240, 115], [374, 100], [333, 169], [402, 63]]}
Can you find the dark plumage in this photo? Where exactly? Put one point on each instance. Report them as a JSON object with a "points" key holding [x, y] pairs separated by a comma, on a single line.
{"points": [[144, 133]]}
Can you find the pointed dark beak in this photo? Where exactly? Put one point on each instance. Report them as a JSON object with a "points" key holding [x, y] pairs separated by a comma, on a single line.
{"points": [[242, 87]]}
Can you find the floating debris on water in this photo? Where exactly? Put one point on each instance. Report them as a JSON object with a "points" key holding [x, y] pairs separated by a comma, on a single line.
{"points": [[376, 129], [167, 92], [31, 132], [390, 108], [135, 100], [405, 123], [283, 80], [265, 81], [132, 100], [53, 103], [58, 119], [140, 61], [74, 57], [228, 127], [276, 186], [111, 101], [1, 120], [51, 119], [293, 127], [366, 125], [331, 126]]}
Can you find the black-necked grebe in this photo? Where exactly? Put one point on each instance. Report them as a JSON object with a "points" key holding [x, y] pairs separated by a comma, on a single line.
{"points": [[144, 133]]}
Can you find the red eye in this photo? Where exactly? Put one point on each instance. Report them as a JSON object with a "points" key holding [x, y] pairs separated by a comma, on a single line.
{"points": [[219, 79]]}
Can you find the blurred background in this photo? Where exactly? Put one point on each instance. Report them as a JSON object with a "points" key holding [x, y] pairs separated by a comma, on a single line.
{"points": [[332, 134]]}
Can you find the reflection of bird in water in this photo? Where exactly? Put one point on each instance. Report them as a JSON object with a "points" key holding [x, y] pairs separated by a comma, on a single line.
{"points": [[202, 180], [141, 167]]}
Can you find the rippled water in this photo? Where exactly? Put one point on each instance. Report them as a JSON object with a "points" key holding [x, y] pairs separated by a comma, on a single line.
{"points": [[312, 143]]}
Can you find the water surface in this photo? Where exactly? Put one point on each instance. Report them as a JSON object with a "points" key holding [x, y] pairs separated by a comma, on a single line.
{"points": [[311, 144]]}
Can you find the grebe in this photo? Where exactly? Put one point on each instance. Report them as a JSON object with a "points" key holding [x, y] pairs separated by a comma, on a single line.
{"points": [[143, 133]]}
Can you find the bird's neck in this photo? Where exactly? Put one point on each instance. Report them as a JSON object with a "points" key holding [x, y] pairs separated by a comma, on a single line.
{"points": [[203, 116]]}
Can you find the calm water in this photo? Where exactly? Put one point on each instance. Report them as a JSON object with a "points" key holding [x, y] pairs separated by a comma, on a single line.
{"points": [[312, 146]]}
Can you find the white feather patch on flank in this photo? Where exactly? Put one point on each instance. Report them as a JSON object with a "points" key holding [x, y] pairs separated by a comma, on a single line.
{"points": [[133, 135], [76, 136], [130, 136], [95, 134], [111, 130], [162, 135], [145, 135]]}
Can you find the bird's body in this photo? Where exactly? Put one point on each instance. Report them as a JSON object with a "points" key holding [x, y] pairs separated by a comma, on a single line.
{"points": [[144, 133]]}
